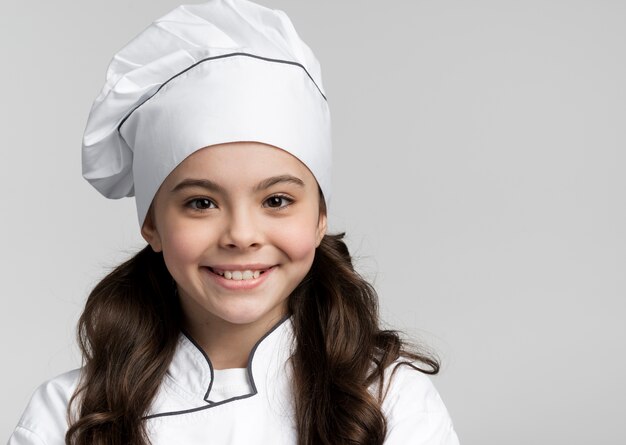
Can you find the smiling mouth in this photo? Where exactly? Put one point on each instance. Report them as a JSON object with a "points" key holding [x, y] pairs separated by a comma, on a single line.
{"points": [[239, 275]]}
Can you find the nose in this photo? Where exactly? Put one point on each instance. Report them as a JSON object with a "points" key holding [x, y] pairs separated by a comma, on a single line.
{"points": [[241, 230]]}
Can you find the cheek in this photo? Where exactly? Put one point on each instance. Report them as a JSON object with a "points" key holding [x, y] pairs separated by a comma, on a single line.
{"points": [[297, 240], [184, 244]]}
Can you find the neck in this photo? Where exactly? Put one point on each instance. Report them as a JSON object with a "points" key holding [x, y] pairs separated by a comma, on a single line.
{"points": [[228, 345]]}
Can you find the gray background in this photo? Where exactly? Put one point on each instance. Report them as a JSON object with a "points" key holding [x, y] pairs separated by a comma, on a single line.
{"points": [[479, 158]]}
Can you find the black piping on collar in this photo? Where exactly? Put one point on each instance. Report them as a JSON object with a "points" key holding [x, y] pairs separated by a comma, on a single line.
{"points": [[289, 62], [206, 395]]}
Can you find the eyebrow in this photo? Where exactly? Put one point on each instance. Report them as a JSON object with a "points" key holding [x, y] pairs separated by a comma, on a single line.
{"points": [[214, 187], [286, 179]]}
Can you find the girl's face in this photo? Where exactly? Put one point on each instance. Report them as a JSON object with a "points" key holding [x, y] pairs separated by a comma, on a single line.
{"points": [[238, 224]]}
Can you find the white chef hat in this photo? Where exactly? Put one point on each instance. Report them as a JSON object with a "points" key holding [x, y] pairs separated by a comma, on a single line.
{"points": [[205, 74]]}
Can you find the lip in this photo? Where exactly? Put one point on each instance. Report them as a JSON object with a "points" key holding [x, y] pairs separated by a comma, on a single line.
{"points": [[242, 267], [240, 284]]}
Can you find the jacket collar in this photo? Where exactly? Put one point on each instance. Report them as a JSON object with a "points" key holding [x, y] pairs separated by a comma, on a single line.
{"points": [[191, 374]]}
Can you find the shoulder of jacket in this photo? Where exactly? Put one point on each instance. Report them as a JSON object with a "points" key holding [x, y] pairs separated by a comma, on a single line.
{"points": [[410, 389], [57, 389], [414, 409], [46, 412]]}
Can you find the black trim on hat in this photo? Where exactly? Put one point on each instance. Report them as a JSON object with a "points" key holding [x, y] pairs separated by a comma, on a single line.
{"points": [[289, 62]]}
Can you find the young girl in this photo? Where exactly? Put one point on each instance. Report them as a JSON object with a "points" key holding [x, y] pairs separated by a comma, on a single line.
{"points": [[242, 321]]}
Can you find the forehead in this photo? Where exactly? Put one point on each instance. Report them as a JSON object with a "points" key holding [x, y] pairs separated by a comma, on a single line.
{"points": [[240, 162]]}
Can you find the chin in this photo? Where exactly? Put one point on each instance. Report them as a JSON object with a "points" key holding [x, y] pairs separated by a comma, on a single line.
{"points": [[251, 315]]}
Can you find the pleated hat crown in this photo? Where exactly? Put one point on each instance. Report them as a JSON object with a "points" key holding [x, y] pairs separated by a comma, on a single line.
{"points": [[205, 74]]}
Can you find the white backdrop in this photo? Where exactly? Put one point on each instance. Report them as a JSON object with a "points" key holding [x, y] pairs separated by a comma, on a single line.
{"points": [[479, 158]]}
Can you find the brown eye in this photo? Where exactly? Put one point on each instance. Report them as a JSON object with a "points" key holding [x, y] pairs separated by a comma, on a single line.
{"points": [[202, 204], [278, 201]]}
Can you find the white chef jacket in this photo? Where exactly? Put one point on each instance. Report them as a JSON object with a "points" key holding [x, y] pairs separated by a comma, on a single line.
{"points": [[196, 404]]}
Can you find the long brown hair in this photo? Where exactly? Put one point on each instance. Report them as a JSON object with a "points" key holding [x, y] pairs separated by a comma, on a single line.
{"points": [[129, 329]]}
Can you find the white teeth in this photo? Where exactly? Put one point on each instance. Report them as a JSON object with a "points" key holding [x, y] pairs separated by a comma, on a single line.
{"points": [[239, 275], [247, 274]]}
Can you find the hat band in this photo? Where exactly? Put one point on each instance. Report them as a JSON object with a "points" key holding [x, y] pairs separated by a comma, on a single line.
{"points": [[221, 56]]}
